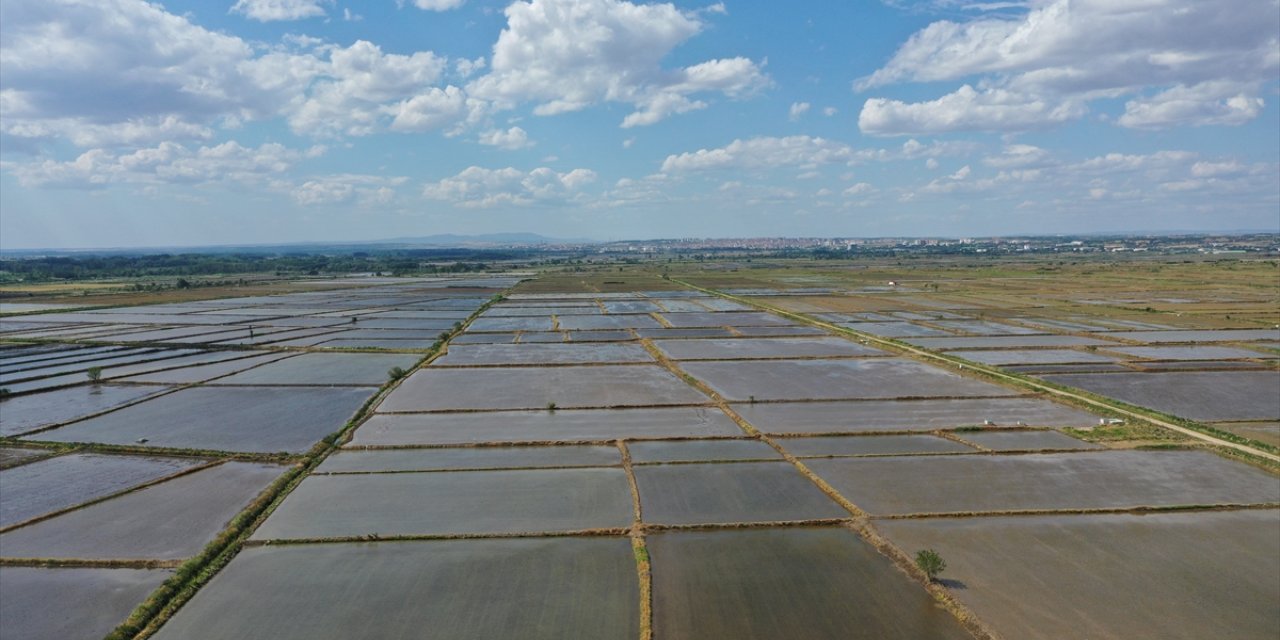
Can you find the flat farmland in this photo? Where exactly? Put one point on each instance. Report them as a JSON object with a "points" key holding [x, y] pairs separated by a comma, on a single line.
{"points": [[1199, 395], [435, 389], [49, 485], [1085, 480], [453, 459], [324, 369], [550, 588], [916, 415], [25, 413], [167, 521], [607, 453], [786, 583], [255, 419], [390, 429], [452, 503], [543, 354], [834, 380], [90, 602], [1018, 440], [700, 451], [730, 492], [1184, 575], [752, 348], [830, 446]]}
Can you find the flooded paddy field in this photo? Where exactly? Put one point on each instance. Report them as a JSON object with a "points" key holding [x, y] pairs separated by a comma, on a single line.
{"points": [[1221, 335], [620, 321], [1168, 575], [1199, 352], [542, 588], [59, 603], [435, 388], [913, 415], [1084, 480], [24, 413], [254, 419], [204, 372], [1199, 395], [993, 342], [324, 369], [544, 353], [730, 492], [760, 348], [724, 318], [823, 446], [1038, 356], [834, 380], [465, 458], [166, 521], [700, 451], [57, 483], [406, 504], [803, 583], [389, 429]]}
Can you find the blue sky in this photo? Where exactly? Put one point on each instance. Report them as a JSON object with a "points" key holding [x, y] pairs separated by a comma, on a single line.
{"points": [[124, 123]]}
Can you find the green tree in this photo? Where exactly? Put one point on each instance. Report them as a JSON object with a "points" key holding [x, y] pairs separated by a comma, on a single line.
{"points": [[930, 563], [94, 373]]}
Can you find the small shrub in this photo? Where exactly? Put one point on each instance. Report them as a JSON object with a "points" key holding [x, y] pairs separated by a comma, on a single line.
{"points": [[551, 406], [930, 563], [395, 373], [94, 373]]}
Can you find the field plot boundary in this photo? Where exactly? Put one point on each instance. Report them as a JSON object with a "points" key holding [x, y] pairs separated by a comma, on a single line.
{"points": [[859, 522]]}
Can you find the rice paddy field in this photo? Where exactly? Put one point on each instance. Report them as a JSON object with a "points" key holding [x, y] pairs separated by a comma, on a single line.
{"points": [[723, 452]]}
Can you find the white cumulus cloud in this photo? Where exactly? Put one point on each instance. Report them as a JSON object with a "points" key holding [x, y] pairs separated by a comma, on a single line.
{"points": [[274, 10], [566, 55], [762, 152], [511, 139], [478, 187], [1206, 61]]}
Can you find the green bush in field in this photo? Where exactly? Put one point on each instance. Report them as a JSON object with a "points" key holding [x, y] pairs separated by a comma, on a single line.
{"points": [[94, 373], [395, 373], [930, 563]]}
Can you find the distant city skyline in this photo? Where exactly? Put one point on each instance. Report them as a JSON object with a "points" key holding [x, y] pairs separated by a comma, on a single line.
{"points": [[129, 124]]}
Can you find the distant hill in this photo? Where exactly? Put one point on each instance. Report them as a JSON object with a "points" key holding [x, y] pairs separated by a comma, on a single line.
{"points": [[455, 240]]}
